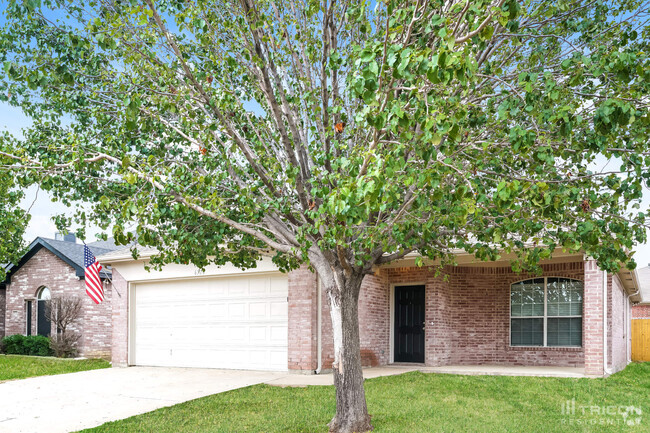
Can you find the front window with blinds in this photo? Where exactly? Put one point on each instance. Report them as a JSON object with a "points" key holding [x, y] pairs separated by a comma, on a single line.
{"points": [[546, 312]]}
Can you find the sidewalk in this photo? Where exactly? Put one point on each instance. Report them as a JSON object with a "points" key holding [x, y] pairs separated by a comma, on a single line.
{"points": [[302, 380]]}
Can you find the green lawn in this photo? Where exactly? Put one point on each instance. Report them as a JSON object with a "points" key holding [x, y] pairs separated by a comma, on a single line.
{"points": [[417, 402], [20, 367]]}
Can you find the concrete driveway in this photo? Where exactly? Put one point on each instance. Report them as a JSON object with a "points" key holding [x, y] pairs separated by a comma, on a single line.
{"points": [[70, 402]]}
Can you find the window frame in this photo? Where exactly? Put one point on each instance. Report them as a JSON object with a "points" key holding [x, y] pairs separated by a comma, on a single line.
{"points": [[29, 307], [545, 317], [41, 291]]}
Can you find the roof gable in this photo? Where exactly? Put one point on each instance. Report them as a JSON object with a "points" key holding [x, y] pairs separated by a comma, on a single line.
{"points": [[68, 252]]}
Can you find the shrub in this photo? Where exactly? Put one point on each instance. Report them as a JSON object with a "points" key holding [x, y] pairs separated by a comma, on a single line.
{"points": [[63, 311], [13, 345], [36, 345], [64, 345]]}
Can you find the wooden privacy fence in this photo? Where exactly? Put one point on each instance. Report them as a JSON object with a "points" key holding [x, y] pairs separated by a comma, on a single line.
{"points": [[640, 339]]}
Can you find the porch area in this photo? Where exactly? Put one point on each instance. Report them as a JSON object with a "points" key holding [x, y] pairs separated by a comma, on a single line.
{"points": [[472, 319], [507, 370], [475, 319]]}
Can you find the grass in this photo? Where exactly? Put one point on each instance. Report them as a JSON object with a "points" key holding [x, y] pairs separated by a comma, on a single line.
{"points": [[20, 367], [417, 402]]}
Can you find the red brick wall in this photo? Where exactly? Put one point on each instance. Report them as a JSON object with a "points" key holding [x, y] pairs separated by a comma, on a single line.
{"points": [[120, 319], [467, 316], [592, 319], [438, 320], [303, 322], [302, 319], [3, 306], [481, 328], [96, 325], [45, 269], [641, 312], [374, 323]]}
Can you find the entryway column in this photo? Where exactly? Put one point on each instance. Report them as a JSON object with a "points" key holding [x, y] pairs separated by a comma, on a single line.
{"points": [[303, 320], [593, 317]]}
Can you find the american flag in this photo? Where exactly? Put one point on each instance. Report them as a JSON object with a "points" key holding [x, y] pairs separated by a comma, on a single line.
{"points": [[94, 287]]}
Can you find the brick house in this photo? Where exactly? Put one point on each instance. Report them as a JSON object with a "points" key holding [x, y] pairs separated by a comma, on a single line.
{"points": [[54, 267], [475, 313]]}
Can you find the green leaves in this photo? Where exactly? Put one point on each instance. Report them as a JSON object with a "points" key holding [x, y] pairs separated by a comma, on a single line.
{"points": [[612, 114], [13, 220], [398, 129], [367, 55]]}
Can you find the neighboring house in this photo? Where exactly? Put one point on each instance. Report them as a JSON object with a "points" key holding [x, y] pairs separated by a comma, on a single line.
{"points": [[476, 313], [641, 319], [54, 267]]}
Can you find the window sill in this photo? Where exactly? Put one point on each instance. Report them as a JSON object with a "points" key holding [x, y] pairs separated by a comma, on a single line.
{"points": [[547, 348]]}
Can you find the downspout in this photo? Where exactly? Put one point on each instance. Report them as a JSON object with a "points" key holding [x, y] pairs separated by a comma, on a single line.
{"points": [[319, 332], [606, 370], [628, 324], [628, 327], [627, 330]]}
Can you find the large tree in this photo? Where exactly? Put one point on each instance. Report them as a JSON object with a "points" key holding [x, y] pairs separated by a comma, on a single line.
{"points": [[13, 218], [341, 135]]}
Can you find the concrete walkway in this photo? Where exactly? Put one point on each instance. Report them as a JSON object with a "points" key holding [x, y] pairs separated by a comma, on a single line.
{"points": [[390, 370], [71, 402], [505, 370]]}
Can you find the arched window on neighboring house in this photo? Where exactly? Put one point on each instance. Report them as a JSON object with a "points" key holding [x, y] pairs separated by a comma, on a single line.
{"points": [[43, 325]]}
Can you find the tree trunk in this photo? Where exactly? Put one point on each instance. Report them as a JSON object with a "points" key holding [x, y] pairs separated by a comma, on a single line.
{"points": [[351, 410]]}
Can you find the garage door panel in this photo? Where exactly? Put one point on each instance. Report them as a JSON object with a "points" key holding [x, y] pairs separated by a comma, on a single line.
{"points": [[279, 310], [238, 287], [236, 311], [257, 333], [148, 335], [238, 335], [259, 287], [278, 358], [257, 310], [188, 312], [155, 356], [238, 322], [181, 334], [279, 286], [278, 335], [217, 309]]}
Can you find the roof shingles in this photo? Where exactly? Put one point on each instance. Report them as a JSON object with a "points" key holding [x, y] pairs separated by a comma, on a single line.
{"points": [[70, 252]]}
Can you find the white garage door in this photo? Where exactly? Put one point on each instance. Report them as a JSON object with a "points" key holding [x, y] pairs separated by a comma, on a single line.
{"points": [[234, 322]]}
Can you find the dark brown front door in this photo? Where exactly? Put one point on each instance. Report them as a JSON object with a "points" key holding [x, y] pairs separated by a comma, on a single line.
{"points": [[409, 324]]}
